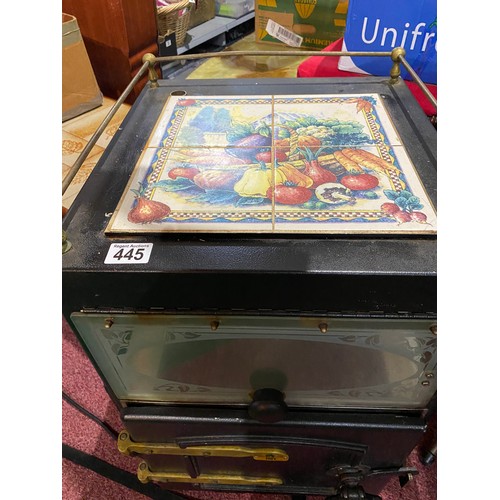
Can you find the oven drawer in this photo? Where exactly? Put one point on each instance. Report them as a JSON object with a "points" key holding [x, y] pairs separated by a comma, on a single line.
{"points": [[183, 446]]}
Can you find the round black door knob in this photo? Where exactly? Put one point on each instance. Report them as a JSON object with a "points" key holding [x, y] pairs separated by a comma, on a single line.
{"points": [[268, 406]]}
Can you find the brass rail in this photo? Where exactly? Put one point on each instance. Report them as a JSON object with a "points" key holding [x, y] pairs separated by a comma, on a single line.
{"points": [[418, 81], [301, 53], [149, 60], [95, 137]]}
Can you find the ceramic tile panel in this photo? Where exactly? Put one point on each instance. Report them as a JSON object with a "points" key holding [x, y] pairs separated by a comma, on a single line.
{"points": [[85, 125], [376, 193], [322, 164], [213, 121], [345, 120], [198, 190], [73, 145]]}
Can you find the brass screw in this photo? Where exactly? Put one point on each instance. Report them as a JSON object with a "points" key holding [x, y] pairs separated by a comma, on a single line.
{"points": [[108, 323], [323, 327], [214, 325], [123, 436], [143, 466]]}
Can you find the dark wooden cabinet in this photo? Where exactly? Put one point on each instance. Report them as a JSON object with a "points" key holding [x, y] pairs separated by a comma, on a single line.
{"points": [[117, 33]]}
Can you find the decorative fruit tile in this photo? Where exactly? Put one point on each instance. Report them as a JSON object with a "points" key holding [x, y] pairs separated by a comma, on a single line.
{"points": [[333, 120], [386, 197], [273, 172], [85, 125], [204, 190], [214, 121], [73, 145]]}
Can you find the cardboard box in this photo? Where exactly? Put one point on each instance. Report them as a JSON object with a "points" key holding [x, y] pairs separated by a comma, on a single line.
{"points": [[80, 91], [311, 24]]}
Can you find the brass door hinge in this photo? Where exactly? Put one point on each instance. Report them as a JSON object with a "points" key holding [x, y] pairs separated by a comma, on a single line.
{"points": [[145, 475], [128, 447]]}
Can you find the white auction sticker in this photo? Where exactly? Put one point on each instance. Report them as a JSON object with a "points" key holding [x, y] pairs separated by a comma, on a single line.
{"points": [[282, 34], [128, 253]]}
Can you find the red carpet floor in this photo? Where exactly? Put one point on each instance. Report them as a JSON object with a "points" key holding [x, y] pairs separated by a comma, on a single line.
{"points": [[81, 383]]}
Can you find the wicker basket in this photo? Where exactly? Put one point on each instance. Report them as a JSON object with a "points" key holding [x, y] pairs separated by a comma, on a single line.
{"points": [[203, 11], [174, 18]]}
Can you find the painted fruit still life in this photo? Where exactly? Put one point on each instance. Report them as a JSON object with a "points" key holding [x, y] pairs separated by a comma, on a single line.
{"points": [[266, 164]]}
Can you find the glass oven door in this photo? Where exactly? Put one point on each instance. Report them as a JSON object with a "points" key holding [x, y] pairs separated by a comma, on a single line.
{"points": [[316, 362]]}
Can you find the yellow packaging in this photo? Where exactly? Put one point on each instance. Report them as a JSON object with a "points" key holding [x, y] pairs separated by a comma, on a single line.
{"points": [[312, 24]]}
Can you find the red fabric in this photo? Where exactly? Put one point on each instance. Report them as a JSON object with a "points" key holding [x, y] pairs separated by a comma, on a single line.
{"points": [[318, 66]]}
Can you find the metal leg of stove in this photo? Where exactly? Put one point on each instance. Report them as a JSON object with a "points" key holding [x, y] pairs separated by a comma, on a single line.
{"points": [[428, 445], [349, 478], [352, 493], [429, 454]]}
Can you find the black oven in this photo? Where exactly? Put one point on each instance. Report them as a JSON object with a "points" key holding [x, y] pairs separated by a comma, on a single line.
{"points": [[284, 363]]}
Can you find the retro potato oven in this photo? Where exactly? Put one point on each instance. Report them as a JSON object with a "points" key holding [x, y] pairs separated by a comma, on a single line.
{"points": [[251, 268]]}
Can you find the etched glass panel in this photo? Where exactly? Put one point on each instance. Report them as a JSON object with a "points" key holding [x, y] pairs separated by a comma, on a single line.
{"points": [[357, 363]]}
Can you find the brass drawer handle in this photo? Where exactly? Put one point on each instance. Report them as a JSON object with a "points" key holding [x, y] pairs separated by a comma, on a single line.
{"points": [[127, 447], [145, 475]]}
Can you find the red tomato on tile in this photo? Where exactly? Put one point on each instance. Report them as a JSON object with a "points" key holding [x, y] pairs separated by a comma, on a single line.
{"points": [[289, 194], [186, 102]]}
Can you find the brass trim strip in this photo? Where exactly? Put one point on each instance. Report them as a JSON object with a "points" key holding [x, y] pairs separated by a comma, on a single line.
{"points": [[128, 447], [149, 60], [145, 475], [418, 81], [267, 53]]}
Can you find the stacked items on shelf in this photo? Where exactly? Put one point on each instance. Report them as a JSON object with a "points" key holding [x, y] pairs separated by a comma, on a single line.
{"points": [[202, 11], [174, 16], [234, 8]]}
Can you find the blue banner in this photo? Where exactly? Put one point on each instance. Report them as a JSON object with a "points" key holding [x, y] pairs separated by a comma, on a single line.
{"points": [[382, 25]]}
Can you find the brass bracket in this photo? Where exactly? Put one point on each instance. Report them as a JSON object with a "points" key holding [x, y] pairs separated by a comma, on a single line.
{"points": [[152, 74], [396, 55], [129, 447], [145, 475]]}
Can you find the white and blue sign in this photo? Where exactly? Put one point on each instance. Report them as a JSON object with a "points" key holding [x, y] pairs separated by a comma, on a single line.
{"points": [[382, 25]]}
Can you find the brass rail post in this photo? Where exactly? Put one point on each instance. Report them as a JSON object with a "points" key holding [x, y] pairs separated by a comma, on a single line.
{"points": [[396, 54], [153, 75]]}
